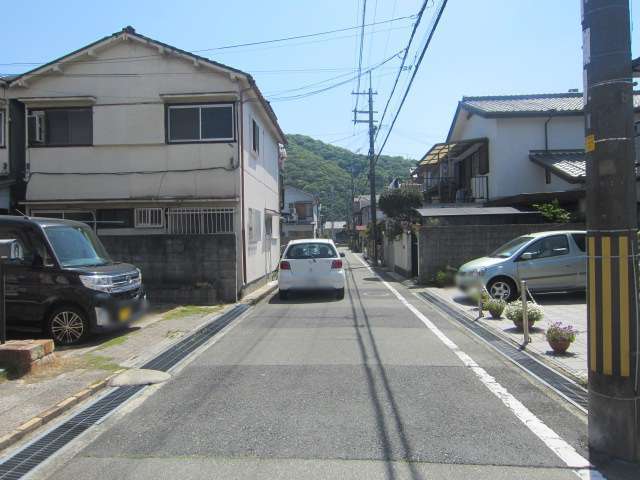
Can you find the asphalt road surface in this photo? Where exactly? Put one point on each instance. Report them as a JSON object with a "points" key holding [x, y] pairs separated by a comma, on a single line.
{"points": [[378, 385]]}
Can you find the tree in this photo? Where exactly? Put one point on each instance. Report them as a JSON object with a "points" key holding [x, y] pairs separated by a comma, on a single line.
{"points": [[553, 212], [399, 206]]}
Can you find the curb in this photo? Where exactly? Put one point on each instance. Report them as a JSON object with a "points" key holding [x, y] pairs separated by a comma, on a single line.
{"points": [[538, 356], [51, 413], [268, 290]]}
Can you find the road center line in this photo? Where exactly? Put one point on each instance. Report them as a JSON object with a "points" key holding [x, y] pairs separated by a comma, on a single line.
{"points": [[550, 438]]}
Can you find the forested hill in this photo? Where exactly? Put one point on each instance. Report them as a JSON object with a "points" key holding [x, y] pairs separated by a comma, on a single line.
{"points": [[323, 169]]}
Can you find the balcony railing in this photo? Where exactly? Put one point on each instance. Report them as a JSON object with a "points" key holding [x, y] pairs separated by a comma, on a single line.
{"points": [[450, 190], [294, 219]]}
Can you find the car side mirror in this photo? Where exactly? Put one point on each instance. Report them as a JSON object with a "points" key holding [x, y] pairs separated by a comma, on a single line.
{"points": [[11, 251], [526, 256], [342, 254]]}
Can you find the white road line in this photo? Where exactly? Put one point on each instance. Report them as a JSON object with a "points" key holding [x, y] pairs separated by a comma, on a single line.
{"points": [[551, 439]]}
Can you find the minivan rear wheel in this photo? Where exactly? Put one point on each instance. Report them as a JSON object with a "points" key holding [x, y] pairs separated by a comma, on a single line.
{"points": [[502, 288], [68, 325]]}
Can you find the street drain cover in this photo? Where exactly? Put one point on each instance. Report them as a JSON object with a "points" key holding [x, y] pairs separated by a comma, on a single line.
{"points": [[139, 376]]}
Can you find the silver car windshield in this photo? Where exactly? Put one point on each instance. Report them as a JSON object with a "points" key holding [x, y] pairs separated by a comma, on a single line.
{"points": [[511, 247]]}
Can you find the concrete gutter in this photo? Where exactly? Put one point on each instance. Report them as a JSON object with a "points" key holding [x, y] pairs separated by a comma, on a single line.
{"points": [[53, 412], [57, 410]]}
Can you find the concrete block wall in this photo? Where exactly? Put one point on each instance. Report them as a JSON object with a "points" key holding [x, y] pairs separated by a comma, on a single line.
{"points": [[196, 269], [454, 245]]}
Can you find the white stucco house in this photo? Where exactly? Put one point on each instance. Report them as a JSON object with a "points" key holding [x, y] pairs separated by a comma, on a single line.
{"points": [[510, 150], [300, 215], [137, 137]]}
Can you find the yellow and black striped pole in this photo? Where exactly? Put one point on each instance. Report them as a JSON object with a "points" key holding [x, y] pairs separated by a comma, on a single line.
{"points": [[612, 244]]}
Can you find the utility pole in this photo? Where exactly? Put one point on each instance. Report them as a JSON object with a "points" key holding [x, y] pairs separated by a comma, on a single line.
{"points": [[372, 166], [612, 246]]}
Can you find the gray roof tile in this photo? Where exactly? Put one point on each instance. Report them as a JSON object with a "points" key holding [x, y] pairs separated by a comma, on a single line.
{"points": [[514, 105], [569, 165]]}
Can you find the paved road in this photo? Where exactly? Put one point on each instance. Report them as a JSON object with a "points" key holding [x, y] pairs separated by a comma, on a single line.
{"points": [[319, 388]]}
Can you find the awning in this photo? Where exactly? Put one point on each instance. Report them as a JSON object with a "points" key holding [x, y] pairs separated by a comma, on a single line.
{"points": [[569, 165], [453, 150]]}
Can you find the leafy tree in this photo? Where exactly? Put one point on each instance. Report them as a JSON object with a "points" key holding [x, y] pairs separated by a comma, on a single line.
{"points": [[327, 171], [400, 204]]}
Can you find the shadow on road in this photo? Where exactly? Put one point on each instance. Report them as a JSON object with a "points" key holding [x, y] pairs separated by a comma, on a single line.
{"points": [[377, 397], [306, 297]]}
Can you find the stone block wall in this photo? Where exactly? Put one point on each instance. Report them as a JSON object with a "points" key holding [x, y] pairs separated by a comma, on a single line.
{"points": [[454, 245], [185, 269]]}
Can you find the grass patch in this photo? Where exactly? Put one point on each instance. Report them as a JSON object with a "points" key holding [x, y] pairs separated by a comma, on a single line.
{"points": [[189, 311], [113, 342], [99, 362]]}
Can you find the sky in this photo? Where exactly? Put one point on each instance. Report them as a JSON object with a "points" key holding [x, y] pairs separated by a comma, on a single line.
{"points": [[481, 47]]}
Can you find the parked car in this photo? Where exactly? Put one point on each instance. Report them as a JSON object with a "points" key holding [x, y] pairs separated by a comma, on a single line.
{"points": [[311, 264], [59, 278], [548, 261]]}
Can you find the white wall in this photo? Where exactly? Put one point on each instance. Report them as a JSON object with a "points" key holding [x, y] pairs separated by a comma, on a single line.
{"points": [[129, 130], [510, 140], [261, 192]]}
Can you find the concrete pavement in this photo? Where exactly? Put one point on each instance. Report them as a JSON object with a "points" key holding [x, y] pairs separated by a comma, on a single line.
{"points": [[314, 387]]}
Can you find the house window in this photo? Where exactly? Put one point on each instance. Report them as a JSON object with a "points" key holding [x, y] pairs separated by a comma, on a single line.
{"points": [[2, 128], [115, 218], [255, 224], [199, 221], [85, 216], [200, 123], [268, 225], [256, 137], [61, 127], [149, 217]]}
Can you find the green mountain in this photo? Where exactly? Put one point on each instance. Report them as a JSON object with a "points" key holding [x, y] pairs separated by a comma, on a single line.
{"points": [[325, 170]]}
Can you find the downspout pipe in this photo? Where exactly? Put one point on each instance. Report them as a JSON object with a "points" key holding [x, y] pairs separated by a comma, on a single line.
{"points": [[546, 129]]}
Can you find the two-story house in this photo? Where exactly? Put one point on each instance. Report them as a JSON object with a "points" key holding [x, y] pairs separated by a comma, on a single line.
{"points": [[139, 139], [300, 215], [511, 151]]}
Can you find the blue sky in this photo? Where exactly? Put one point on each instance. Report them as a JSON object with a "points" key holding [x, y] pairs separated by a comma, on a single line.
{"points": [[487, 47]]}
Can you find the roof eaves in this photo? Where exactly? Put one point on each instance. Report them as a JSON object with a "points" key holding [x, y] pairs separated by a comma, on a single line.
{"points": [[131, 31], [635, 65]]}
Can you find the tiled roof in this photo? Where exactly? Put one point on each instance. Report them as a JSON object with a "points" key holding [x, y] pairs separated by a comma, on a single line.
{"points": [[636, 65], [522, 105], [570, 165]]}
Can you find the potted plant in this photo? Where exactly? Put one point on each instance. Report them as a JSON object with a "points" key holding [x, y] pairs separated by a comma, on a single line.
{"points": [[495, 307], [560, 337], [514, 313]]}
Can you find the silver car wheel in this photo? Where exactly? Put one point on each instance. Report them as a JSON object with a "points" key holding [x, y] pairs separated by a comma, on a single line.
{"points": [[500, 290], [67, 327]]}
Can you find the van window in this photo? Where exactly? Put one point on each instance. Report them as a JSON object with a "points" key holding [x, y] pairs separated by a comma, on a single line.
{"points": [[580, 240], [76, 246], [311, 250]]}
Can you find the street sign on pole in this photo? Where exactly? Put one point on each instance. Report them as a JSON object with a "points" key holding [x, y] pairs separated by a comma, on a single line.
{"points": [[614, 403]]}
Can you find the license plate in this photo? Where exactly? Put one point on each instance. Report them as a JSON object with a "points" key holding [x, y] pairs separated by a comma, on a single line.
{"points": [[124, 314]]}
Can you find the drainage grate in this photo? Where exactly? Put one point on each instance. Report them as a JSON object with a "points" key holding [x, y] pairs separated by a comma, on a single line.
{"points": [[567, 388], [33, 454]]}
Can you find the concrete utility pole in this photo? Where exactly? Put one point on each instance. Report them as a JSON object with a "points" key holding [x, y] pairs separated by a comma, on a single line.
{"points": [[614, 403], [372, 167]]}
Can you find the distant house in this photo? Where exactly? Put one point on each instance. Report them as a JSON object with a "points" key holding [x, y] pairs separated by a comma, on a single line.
{"points": [[510, 151], [138, 138], [336, 230], [300, 215]]}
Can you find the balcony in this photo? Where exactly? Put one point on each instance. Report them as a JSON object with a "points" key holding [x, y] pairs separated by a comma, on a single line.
{"points": [[297, 220], [453, 190]]}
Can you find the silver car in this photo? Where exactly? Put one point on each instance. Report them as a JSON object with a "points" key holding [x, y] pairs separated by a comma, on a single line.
{"points": [[548, 261]]}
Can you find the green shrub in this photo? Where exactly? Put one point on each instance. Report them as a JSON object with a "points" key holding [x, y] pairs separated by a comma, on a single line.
{"points": [[443, 278], [476, 295], [495, 307], [514, 313], [553, 212]]}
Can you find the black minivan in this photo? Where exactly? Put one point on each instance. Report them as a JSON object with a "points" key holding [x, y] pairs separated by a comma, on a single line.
{"points": [[60, 279]]}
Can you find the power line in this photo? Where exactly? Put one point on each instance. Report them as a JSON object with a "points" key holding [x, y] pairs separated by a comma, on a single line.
{"points": [[441, 8], [335, 85], [364, 14], [226, 47], [404, 59]]}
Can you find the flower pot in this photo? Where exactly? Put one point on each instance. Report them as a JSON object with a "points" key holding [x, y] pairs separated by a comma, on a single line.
{"points": [[518, 324], [559, 345]]}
